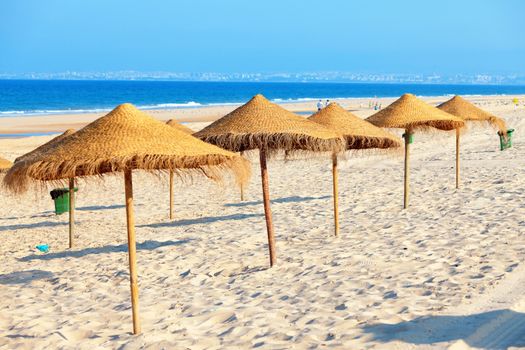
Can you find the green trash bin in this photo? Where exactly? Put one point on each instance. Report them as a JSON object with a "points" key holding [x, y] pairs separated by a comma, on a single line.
{"points": [[61, 198], [505, 142], [410, 138]]}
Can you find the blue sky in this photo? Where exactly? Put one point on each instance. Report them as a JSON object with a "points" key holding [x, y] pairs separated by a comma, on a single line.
{"points": [[414, 37]]}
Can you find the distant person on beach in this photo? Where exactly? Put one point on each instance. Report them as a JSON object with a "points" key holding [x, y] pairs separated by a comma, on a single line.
{"points": [[327, 103], [319, 105]]}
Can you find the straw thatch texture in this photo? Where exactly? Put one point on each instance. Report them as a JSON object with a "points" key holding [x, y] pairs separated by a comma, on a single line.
{"points": [[460, 107], [263, 124], [5, 165], [126, 139], [409, 112], [46, 146], [359, 134], [175, 124]]}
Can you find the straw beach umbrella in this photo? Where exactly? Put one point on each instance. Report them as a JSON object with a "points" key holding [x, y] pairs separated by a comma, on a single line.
{"points": [[263, 125], [5, 165], [46, 146], [470, 113], [124, 140], [175, 124], [43, 148], [411, 114], [359, 135]]}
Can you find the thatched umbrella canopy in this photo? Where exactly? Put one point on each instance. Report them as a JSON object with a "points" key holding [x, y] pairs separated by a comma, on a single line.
{"points": [[465, 110], [469, 112], [122, 141], [175, 124], [46, 147], [263, 125], [359, 135], [5, 165], [410, 113]]}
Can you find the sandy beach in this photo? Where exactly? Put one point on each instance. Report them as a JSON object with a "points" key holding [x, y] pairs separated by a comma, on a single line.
{"points": [[445, 273], [60, 122]]}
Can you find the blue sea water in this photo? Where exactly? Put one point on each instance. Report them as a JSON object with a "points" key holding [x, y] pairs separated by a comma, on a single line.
{"points": [[34, 97]]}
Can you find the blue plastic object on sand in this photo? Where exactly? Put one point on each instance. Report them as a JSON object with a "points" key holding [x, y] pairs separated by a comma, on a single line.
{"points": [[44, 248]]}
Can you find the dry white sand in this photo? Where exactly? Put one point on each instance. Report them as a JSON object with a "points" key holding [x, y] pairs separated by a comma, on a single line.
{"points": [[445, 272]]}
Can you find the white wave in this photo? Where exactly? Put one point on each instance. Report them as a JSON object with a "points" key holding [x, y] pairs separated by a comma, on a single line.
{"points": [[171, 105], [225, 103], [12, 112], [314, 99], [301, 99], [37, 112], [51, 111]]}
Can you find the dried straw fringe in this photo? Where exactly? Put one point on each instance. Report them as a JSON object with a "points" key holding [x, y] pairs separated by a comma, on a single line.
{"points": [[493, 122], [296, 155], [22, 175], [499, 125], [433, 130], [273, 143], [367, 142], [434, 126]]}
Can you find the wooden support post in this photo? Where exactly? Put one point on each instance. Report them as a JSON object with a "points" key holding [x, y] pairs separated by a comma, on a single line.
{"points": [[267, 209], [171, 194], [336, 198], [242, 186], [457, 158], [71, 212], [408, 134], [132, 249]]}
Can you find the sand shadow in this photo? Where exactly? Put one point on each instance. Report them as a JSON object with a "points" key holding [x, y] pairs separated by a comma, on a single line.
{"points": [[32, 226], [22, 336], [146, 245], [292, 199], [203, 220], [45, 214], [250, 271], [435, 329], [22, 277], [101, 207]]}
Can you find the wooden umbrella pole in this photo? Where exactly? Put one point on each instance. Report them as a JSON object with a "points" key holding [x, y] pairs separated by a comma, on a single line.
{"points": [[267, 209], [336, 199], [457, 158], [132, 249], [171, 194], [242, 186], [407, 168], [71, 211]]}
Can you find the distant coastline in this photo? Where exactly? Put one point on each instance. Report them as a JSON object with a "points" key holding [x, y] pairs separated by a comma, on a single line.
{"points": [[277, 77]]}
